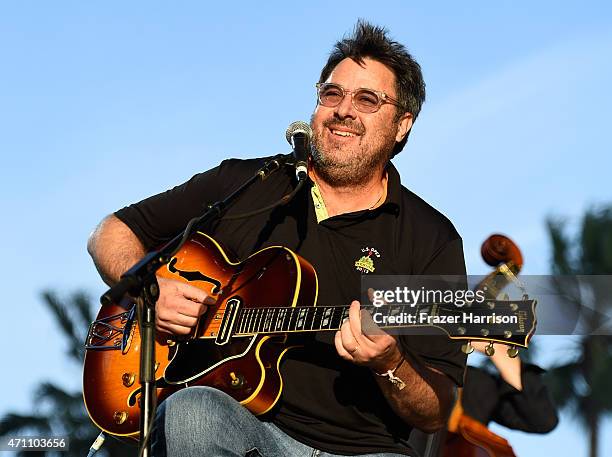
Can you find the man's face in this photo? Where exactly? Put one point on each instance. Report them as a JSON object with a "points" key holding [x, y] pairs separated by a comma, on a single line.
{"points": [[350, 145]]}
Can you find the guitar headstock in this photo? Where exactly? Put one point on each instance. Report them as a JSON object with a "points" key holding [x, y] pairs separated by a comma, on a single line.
{"points": [[510, 322]]}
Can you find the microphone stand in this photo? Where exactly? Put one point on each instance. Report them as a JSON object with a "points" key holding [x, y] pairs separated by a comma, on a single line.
{"points": [[140, 281]]}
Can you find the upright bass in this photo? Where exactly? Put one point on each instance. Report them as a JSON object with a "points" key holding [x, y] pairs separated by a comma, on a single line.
{"points": [[466, 436]]}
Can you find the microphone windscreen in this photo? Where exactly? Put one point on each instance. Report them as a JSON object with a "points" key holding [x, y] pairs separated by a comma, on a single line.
{"points": [[298, 127]]}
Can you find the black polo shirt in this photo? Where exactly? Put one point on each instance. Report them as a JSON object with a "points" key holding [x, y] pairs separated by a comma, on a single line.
{"points": [[327, 403]]}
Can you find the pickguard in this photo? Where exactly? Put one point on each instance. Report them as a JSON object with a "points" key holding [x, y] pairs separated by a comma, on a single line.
{"points": [[196, 358]]}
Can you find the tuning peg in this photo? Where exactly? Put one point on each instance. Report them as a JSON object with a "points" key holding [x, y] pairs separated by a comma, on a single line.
{"points": [[490, 350], [467, 348], [512, 352]]}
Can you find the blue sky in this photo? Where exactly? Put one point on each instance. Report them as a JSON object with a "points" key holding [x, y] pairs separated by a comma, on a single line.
{"points": [[104, 104]]}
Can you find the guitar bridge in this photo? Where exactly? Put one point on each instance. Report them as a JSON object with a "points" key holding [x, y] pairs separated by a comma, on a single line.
{"points": [[112, 332]]}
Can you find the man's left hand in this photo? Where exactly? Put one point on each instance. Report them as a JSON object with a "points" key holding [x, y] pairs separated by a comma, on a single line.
{"points": [[362, 342]]}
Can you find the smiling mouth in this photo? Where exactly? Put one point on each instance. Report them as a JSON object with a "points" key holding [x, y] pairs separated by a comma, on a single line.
{"points": [[342, 133]]}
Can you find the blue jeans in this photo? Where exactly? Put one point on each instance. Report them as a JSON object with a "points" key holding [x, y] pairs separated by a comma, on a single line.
{"points": [[205, 422]]}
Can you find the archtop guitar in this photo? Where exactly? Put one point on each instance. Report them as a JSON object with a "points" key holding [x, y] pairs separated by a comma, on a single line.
{"points": [[238, 344]]}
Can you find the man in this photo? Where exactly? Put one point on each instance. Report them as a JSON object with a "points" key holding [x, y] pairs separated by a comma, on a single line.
{"points": [[341, 393]]}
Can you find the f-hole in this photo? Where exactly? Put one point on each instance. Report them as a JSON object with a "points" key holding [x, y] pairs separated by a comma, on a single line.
{"points": [[194, 276]]}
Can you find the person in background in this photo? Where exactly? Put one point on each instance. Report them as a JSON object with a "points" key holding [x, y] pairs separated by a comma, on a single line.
{"points": [[514, 396]]}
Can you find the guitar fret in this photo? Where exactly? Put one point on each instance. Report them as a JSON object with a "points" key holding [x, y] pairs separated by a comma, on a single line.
{"points": [[247, 315], [282, 317], [242, 316], [324, 318], [314, 319], [261, 314], [273, 316], [249, 322], [345, 314], [309, 316], [301, 319], [245, 320], [306, 314], [296, 323], [265, 320], [337, 317], [253, 326], [327, 321], [287, 320], [298, 319], [292, 319], [262, 320]]}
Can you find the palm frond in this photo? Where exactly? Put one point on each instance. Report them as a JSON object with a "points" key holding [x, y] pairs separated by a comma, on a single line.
{"points": [[561, 382], [63, 318], [561, 256], [57, 410], [596, 242], [83, 307], [13, 423], [48, 391]]}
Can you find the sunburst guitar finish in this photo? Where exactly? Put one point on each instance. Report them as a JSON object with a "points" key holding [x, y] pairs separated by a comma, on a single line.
{"points": [[243, 364]]}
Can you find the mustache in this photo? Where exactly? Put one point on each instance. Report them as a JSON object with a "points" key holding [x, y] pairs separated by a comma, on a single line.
{"points": [[355, 126]]}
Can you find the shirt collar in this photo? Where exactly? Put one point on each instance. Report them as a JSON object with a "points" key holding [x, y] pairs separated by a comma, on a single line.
{"points": [[392, 200]]}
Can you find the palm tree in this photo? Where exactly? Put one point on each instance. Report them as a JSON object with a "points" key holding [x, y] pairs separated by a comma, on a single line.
{"points": [[58, 412], [582, 386]]}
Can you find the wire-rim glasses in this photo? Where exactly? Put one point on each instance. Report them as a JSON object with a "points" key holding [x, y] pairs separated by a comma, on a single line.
{"points": [[363, 99]]}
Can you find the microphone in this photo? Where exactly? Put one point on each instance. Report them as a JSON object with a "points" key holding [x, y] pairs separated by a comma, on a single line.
{"points": [[298, 135]]}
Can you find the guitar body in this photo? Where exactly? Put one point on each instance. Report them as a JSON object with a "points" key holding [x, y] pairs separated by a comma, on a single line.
{"points": [[246, 367]]}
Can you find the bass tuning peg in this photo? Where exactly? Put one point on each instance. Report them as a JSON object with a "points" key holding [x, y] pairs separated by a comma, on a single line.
{"points": [[512, 352], [490, 350]]}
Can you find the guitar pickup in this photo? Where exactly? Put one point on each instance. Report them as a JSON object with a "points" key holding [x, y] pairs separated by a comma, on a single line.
{"points": [[232, 306]]}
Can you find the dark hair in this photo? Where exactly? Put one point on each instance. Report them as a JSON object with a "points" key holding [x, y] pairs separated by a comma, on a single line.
{"points": [[372, 41]]}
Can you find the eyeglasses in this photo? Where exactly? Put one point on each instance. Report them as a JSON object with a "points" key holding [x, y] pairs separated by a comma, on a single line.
{"points": [[364, 100]]}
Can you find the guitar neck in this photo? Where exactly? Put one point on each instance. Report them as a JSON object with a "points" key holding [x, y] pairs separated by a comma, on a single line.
{"points": [[506, 321], [318, 318]]}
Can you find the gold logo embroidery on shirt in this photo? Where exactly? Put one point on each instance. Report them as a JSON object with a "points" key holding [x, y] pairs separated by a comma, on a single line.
{"points": [[365, 264]]}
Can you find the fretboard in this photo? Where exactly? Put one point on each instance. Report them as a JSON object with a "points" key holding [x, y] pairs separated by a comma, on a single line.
{"points": [[315, 319]]}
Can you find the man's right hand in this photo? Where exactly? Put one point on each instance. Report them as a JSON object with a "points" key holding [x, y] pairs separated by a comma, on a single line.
{"points": [[115, 248], [179, 306]]}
